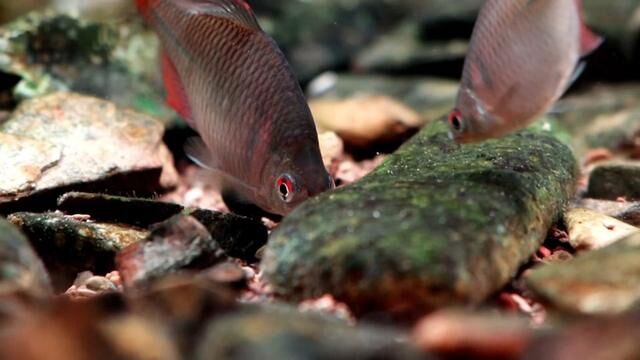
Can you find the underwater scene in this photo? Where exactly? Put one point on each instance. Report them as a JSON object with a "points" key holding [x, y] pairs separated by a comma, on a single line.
{"points": [[319, 179]]}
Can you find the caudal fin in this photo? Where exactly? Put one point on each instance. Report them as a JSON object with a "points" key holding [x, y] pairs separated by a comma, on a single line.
{"points": [[589, 41]]}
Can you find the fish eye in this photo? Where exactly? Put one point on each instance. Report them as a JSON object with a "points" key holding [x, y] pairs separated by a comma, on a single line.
{"points": [[455, 121], [285, 185]]}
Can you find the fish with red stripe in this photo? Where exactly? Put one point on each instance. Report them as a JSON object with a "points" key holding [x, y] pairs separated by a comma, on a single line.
{"points": [[522, 57], [232, 84]]}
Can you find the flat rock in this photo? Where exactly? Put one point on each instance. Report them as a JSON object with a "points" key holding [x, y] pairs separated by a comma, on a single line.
{"points": [[598, 338], [615, 179], [76, 141], [282, 333], [366, 121], [590, 230], [430, 97], [436, 224], [20, 268], [238, 236], [26, 160], [118, 209], [597, 282], [68, 245], [176, 244], [628, 212]]}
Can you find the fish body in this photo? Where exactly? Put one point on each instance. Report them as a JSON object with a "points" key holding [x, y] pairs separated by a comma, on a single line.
{"points": [[522, 57], [233, 85]]}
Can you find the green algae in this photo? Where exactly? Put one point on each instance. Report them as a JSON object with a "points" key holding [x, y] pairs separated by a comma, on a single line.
{"points": [[50, 51], [435, 224]]}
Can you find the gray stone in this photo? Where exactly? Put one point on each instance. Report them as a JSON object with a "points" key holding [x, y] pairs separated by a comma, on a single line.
{"points": [[599, 282]]}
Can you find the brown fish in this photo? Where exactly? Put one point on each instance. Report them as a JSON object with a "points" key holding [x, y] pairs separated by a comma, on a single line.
{"points": [[233, 85], [521, 59]]}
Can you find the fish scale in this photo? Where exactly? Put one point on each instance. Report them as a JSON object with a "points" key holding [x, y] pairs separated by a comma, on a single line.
{"points": [[243, 99], [521, 59]]}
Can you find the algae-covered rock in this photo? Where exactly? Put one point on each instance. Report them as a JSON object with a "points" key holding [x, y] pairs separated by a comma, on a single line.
{"points": [[599, 282], [615, 179], [238, 236], [282, 333], [435, 224], [69, 245], [50, 51], [20, 267]]}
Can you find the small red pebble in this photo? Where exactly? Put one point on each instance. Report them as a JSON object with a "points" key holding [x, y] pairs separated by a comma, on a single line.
{"points": [[507, 302], [621, 199], [544, 252], [597, 155]]}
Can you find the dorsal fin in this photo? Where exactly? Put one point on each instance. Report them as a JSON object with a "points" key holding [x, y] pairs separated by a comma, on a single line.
{"points": [[176, 94], [238, 11]]}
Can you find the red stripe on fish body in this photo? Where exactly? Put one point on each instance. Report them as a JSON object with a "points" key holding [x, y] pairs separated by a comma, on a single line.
{"points": [[243, 97]]}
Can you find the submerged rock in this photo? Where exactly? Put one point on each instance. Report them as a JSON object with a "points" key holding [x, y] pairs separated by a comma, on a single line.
{"points": [[435, 224], [88, 143], [590, 230], [630, 215], [598, 338], [615, 180], [20, 268], [49, 52], [604, 116], [238, 236], [118, 209], [176, 244], [99, 328], [456, 334], [430, 97], [68, 245], [281, 333], [597, 282], [331, 148], [366, 121]]}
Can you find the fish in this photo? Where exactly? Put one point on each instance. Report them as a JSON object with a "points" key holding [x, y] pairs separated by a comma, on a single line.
{"points": [[522, 57], [232, 84]]}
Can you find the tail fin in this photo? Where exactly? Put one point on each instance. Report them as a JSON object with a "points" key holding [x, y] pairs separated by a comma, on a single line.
{"points": [[589, 41]]}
